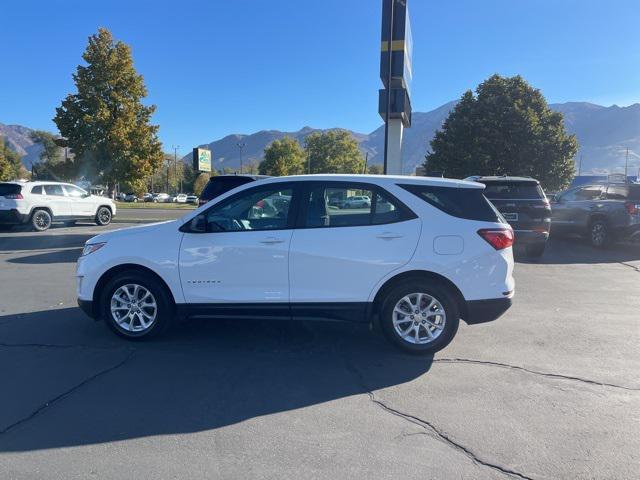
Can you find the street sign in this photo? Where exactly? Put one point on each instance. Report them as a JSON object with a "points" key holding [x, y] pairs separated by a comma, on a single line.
{"points": [[201, 160]]}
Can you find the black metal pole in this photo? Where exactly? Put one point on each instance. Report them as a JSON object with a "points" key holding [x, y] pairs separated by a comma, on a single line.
{"points": [[389, 57]]}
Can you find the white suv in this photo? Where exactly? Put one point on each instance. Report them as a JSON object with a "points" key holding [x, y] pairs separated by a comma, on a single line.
{"points": [[424, 254], [41, 203]]}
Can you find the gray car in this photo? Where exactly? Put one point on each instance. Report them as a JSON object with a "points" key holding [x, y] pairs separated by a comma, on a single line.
{"points": [[603, 213]]}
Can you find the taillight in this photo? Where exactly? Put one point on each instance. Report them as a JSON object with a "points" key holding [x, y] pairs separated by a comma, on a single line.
{"points": [[498, 238], [632, 208], [15, 196]]}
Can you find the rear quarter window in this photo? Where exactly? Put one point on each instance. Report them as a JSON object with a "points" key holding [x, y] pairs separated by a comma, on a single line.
{"points": [[634, 192], [9, 189], [467, 203]]}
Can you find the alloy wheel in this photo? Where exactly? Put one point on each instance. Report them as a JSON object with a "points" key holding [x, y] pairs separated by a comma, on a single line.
{"points": [[134, 308], [419, 318]]}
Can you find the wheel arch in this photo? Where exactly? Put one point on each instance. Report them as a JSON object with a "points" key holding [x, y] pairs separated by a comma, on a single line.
{"points": [[113, 271], [419, 275], [38, 207]]}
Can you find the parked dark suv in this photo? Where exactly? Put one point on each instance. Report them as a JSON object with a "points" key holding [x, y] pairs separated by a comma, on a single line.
{"points": [[604, 213], [223, 183], [523, 204]]}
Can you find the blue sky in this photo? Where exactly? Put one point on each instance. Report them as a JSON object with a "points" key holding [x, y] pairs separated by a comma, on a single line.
{"points": [[237, 66]]}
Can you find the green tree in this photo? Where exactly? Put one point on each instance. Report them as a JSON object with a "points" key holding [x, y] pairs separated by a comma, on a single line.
{"points": [[10, 164], [52, 164], [283, 157], [334, 151], [506, 128], [106, 124], [200, 182], [375, 170]]}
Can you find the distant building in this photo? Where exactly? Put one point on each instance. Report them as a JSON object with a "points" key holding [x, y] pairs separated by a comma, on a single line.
{"points": [[591, 179]]}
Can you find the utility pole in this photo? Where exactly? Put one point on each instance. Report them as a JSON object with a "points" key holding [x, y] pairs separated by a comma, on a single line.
{"points": [[308, 161], [366, 161], [240, 145], [580, 165], [626, 165], [175, 166]]}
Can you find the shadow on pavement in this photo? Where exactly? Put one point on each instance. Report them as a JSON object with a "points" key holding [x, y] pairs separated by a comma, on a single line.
{"points": [[203, 375], [567, 250], [43, 241], [60, 256]]}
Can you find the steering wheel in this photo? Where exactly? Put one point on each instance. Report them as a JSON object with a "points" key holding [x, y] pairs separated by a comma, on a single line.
{"points": [[237, 225]]}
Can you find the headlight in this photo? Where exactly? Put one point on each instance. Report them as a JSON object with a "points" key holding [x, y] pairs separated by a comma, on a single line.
{"points": [[92, 247]]}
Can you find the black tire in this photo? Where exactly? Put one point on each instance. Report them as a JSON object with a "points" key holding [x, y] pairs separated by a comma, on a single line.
{"points": [[599, 234], [165, 308], [41, 220], [103, 216], [536, 250], [433, 289]]}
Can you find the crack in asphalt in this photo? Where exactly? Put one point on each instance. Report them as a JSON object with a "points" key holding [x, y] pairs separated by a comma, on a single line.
{"points": [[63, 395], [533, 372], [430, 427]]}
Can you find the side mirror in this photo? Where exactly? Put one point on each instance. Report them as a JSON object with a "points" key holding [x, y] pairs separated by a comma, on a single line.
{"points": [[86, 195]]}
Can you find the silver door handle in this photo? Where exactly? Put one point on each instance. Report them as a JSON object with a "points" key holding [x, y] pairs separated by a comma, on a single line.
{"points": [[271, 241], [389, 236]]}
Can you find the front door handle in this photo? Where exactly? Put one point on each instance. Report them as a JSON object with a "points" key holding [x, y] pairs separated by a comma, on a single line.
{"points": [[389, 236], [271, 241]]}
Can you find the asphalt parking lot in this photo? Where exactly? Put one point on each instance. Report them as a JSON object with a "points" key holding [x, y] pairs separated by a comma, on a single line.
{"points": [[551, 390]]}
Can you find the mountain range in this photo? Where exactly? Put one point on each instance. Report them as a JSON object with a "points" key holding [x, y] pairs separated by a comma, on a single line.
{"points": [[604, 134]]}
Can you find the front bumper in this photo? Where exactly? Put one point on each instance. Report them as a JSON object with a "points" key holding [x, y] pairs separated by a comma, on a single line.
{"points": [[13, 217], [482, 311], [87, 307]]}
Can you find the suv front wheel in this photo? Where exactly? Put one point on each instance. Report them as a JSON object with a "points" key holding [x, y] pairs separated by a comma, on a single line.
{"points": [[599, 234], [420, 317], [103, 216], [135, 305]]}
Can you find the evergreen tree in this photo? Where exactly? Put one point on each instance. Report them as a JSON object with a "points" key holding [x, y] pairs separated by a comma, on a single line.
{"points": [[507, 128]]}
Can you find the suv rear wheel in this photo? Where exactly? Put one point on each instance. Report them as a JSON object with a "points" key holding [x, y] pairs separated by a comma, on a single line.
{"points": [[41, 220], [420, 317]]}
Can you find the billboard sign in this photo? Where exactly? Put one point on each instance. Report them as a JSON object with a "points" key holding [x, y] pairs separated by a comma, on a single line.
{"points": [[201, 160]]}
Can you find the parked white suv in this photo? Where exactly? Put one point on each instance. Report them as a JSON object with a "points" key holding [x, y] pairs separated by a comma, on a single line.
{"points": [[424, 254], [42, 203]]}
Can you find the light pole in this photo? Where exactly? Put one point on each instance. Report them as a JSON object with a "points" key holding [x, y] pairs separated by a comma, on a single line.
{"points": [[240, 145], [175, 165]]}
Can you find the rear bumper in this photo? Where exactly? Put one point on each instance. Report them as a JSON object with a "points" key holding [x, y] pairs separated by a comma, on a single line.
{"points": [[482, 311], [527, 237], [13, 217]]}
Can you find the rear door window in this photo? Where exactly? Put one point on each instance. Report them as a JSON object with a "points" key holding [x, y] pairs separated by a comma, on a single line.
{"points": [[468, 203], [634, 192], [351, 205], [55, 190]]}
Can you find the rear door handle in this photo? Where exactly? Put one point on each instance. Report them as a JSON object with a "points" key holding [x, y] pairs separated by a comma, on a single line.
{"points": [[271, 241], [389, 236]]}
